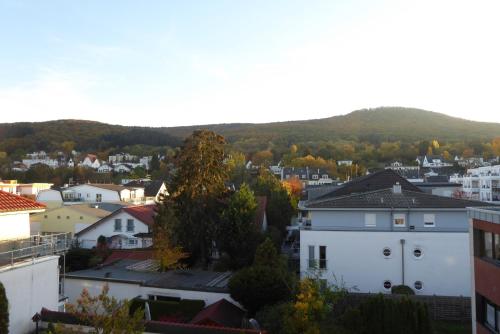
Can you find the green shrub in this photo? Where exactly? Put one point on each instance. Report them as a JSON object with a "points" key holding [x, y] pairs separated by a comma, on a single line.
{"points": [[380, 315], [402, 290]]}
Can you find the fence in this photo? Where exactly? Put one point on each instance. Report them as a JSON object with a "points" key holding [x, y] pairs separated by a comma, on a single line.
{"points": [[445, 308], [35, 246]]}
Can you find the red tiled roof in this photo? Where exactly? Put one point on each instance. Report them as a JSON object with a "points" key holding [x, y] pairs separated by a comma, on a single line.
{"points": [[141, 255], [10, 202], [222, 313], [145, 213]]}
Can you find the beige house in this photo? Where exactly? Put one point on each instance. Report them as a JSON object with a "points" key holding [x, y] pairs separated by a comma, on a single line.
{"points": [[67, 218]]}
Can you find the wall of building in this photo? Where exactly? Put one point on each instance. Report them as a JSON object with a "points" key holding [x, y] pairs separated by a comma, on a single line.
{"points": [[61, 220], [355, 219], [74, 287], [14, 225], [107, 228], [356, 258], [29, 287], [88, 193]]}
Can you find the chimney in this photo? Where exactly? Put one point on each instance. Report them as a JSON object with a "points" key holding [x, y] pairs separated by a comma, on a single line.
{"points": [[396, 189]]}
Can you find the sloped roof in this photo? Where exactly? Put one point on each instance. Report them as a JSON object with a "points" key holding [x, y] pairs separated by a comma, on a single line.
{"points": [[129, 254], [383, 179], [151, 188], [386, 198], [12, 203], [222, 313], [144, 213]]}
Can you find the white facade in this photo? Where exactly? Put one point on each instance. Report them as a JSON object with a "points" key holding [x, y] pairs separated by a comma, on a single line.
{"points": [[52, 163], [481, 184], [14, 225], [30, 285], [91, 163], [122, 169], [357, 259], [119, 290], [89, 193], [124, 236], [105, 168]]}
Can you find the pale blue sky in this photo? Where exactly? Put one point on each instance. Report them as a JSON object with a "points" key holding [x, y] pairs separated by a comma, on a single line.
{"points": [[166, 63]]}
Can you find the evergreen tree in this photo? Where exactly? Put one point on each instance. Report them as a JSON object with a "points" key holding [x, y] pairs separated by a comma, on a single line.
{"points": [[199, 189], [4, 310]]}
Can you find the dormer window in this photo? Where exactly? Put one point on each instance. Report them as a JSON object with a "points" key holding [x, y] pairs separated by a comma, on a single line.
{"points": [[315, 177]]}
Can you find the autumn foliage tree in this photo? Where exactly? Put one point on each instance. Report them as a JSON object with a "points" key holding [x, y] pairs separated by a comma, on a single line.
{"points": [[105, 314], [198, 192]]}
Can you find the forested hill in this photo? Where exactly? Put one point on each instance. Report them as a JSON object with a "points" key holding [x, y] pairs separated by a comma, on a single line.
{"points": [[368, 125]]}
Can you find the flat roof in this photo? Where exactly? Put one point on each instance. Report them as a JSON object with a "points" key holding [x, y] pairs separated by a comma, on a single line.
{"points": [[489, 214], [181, 279]]}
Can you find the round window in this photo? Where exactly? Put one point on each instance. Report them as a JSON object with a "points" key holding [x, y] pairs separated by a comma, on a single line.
{"points": [[418, 285], [387, 285], [417, 252], [386, 252]]}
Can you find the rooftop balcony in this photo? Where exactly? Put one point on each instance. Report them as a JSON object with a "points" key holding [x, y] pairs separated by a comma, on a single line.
{"points": [[13, 251]]}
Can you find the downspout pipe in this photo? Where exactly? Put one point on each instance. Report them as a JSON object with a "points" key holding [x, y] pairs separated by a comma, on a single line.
{"points": [[402, 241]]}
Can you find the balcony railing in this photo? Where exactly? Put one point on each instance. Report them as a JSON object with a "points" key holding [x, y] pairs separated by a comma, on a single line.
{"points": [[36, 246]]}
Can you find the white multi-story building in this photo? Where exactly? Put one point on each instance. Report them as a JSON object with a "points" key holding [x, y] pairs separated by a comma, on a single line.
{"points": [[482, 183], [40, 158], [378, 239], [29, 267]]}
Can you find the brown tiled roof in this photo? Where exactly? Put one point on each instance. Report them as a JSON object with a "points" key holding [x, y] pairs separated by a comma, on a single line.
{"points": [[10, 203], [132, 254]]}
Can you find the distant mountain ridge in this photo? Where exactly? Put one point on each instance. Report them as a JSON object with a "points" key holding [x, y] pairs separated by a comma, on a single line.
{"points": [[373, 125]]}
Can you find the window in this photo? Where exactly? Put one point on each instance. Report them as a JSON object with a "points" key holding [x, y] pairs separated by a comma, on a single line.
{"points": [[399, 219], [118, 225], [370, 219], [81, 217], [490, 315], [387, 285], [58, 217], [98, 197], [417, 253], [130, 225], [418, 285], [67, 217], [496, 247], [322, 257], [387, 252], [324, 176], [45, 216], [132, 242], [488, 244], [429, 220], [315, 177], [311, 263]]}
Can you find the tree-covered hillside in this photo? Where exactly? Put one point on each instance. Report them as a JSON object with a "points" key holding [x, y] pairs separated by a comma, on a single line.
{"points": [[372, 126]]}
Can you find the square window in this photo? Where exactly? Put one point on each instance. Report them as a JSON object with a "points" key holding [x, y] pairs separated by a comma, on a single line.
{"points": [[429, 220], [399, 219], [370, 219]]}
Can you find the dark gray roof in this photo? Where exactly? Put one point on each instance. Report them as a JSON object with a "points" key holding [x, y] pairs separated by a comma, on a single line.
{"points": [[379, 180], [191, 279], [151, 188], [386, 198]]}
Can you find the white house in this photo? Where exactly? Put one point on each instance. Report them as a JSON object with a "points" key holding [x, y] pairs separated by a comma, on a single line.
{"points": [[122, 168], [378, 239], [482, 183], [91, 161], [95, 193], [344, 162], [435, 161], [105, 168], [30, 276], [120, 228]]}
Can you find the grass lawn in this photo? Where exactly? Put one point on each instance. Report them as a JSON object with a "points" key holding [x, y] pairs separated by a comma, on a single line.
{"points": [[447, 327]]}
